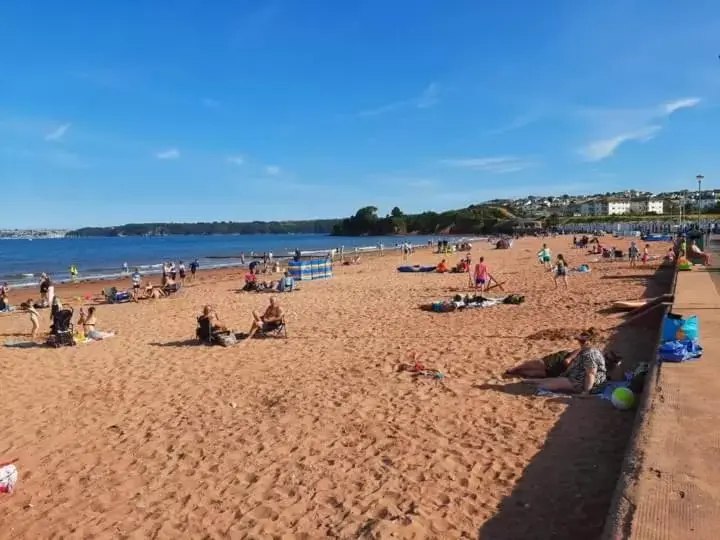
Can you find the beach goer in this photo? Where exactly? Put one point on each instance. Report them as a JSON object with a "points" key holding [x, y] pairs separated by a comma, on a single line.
{"points": [[646, 254], [586, 374], [34, 317], [45, 285], [480, 278], [73, 272], [181, 271], [441, 267], [136, 279], [242, 258], [152, 292], [173, 271], [4, 296], [209, 325], [286, 283], [545, 257], [561, 270], [549, 366], [125, 268], [89, 323], [633, 254], [697, 252], [270, 320], [193, 269]]}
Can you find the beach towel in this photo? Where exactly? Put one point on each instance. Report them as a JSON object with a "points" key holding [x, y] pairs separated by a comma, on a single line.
{"points": [[679, 351]]}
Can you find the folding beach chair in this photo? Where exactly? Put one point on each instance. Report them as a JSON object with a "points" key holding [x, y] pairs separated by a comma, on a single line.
{"points": [[276, 330]]}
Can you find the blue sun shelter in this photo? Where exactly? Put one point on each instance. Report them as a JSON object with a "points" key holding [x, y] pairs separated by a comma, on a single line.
{"points": [[310, 269]]}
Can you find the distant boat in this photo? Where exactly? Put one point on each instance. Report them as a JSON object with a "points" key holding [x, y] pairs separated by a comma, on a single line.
{"points": [[29, 239]]}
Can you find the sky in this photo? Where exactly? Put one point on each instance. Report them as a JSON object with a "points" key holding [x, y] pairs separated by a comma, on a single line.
{"points": [[188, 110]]}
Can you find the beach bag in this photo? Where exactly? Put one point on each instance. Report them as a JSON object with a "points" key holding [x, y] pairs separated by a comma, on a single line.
{"points": [[226, 339], [675, 328]]}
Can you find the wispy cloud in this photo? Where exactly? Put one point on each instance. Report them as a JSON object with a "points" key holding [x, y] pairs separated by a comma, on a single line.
{"points": [[272, 170], [516, 123], [426, 99], [604, 148], [639, 125], [210, 103], [58, 133], [494, 165], [236, 160], [170, 153], [673, 106]]}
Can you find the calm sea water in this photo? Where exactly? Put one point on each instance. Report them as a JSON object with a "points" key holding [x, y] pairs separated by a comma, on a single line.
{"points": [[22, 261]]}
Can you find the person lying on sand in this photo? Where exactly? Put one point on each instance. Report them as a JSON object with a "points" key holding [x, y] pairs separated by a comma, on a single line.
{"points": [[551, 365], [152, 292], [586, 374], [89, 322], [268, 321]]}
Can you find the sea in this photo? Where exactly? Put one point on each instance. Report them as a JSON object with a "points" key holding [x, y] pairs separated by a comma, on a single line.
{"points": [[22, 260]]}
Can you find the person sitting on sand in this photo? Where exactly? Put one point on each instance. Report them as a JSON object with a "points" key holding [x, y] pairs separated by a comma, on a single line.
{"points": [[209, 325], [268, 321], [154, 293], [480, 278], [441, 268], [286, 283], [549, 366], [89, 322], [699, 253], [586, 374]]}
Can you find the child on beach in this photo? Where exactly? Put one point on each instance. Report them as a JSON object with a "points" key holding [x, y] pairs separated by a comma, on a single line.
{"points": [[34, 317], [545, 257], [646, 254], [561, 270]]}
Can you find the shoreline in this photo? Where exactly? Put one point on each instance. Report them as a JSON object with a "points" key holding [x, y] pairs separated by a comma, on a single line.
{"points": [[208, 262]]}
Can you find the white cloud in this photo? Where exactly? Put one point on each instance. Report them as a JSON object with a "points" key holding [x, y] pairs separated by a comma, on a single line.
{"points": [[211, 103], [495, 165], [58, 133], [272, 170], [639, 125], [236, 160], [426, 99], [686, 103], [170, 153], [604, 148]]}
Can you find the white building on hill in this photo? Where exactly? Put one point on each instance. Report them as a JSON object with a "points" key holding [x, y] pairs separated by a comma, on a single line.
{"points": [[619, 207]]}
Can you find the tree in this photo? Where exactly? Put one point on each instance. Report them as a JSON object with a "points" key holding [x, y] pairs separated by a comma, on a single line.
{"points": [[396, 212]]}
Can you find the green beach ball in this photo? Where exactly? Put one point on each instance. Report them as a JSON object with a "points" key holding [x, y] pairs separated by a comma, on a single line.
{"points": [[623, 399]]}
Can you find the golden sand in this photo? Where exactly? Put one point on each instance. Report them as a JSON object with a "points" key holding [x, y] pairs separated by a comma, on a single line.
{"points": [[148, 435]]}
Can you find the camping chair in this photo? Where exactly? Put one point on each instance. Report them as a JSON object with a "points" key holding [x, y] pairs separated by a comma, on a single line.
{"points": [[279, 331]]}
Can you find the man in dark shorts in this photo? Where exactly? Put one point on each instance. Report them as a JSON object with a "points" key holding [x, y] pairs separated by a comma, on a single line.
{"points": [[193, 269], [136, 278], [272, 319]]}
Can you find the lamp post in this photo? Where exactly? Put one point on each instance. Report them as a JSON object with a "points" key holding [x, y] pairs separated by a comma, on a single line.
{"points": [[699, 178]]}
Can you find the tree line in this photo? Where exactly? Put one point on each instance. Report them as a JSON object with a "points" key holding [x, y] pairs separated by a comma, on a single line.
{"points": [[315, 226], [476, 219]]}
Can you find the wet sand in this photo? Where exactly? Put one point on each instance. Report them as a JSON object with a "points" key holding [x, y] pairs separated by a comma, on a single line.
{"points": [[148, 434]]}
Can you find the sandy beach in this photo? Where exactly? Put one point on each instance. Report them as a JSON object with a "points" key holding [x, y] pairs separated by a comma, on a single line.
{"points": [[149, 435]]}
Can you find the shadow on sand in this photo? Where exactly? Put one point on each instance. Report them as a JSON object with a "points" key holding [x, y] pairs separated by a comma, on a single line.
{"points": [[566, 491]]}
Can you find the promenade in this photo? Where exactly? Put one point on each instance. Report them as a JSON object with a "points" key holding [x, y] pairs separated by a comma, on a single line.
{"points": [[670, 489]]}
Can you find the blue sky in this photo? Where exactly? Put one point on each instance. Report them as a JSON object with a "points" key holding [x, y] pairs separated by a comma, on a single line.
{"points": [[116, 112]]}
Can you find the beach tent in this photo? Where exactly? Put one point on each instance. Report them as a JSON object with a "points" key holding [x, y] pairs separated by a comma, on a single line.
{"points": [[310, 269]]}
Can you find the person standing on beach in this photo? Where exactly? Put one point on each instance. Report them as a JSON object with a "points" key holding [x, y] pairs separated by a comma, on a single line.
{"points": [[242, 258], [181, 270], [173, 271], [125, 268], [561, 270], [480, 278], [194, 268], [633, 254], [136, 280], [73, 273], [45, 285]]}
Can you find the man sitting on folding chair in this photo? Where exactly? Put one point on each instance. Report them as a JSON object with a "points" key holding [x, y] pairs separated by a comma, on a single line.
{"points": [[272, 322]]}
